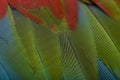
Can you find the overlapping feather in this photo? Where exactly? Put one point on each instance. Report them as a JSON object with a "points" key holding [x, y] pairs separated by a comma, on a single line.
{"points": [[29, 51], [106, 48]]}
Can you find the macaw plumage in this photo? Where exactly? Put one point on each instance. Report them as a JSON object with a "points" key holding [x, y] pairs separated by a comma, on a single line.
{"points": [[59, 40]]}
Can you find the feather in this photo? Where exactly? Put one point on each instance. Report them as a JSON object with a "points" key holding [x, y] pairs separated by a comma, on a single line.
{"points": [[24, 53], [53, 9], [22, 7], [107, 50], [3, 8], [47, 44], [59, 40], [111, 7], [104, 72], [71, 68], [82, 40], [4, 73], [87, 1], [57, 9], [72, 18], [6, 51], [29, 4]]}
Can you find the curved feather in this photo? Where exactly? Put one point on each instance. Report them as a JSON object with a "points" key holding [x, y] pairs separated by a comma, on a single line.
{"points": [[111, 7], [47, 44], [107, 50], [83, 43], [54, 10], [6, 42], [71, 67], [24, 52], [104, 72]]}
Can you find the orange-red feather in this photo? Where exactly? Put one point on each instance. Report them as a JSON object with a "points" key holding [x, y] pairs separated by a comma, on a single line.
{"points": [[98, 3], [71, 11], [3, 8], [56, 8]]}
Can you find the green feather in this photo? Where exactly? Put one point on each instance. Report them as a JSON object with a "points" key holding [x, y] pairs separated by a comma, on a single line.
{"points": [[27, 63], [107, 50], [85, 51]]}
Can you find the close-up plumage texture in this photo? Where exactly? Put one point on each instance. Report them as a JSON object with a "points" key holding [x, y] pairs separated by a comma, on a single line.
{"points": [[59, 39]]}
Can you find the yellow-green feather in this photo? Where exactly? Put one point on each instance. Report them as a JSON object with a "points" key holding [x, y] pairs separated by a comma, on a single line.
{"points": [[48, 45], [28, 65], [85, 50], [107, 50]]}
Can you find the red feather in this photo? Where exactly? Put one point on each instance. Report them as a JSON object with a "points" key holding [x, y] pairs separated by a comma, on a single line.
{"points": [[71, 13], [25, 6], [3, 8], [71, 9], [97, 2], [29, 15], [56, 7], [29, 4]]}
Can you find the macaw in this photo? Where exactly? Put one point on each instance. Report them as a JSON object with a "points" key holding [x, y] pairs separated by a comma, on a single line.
{"points": [[59, 40]]}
